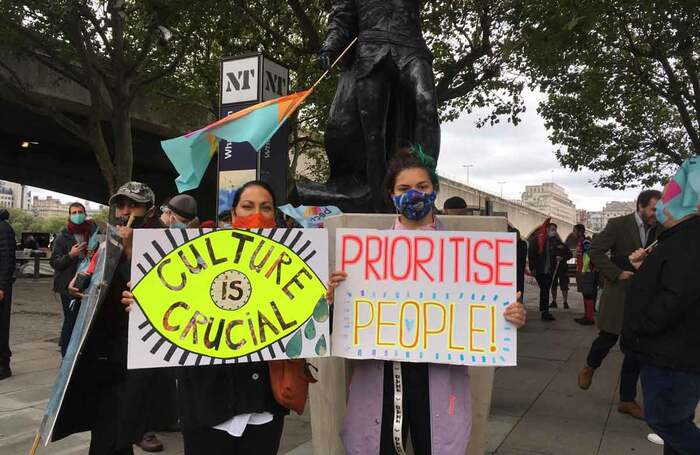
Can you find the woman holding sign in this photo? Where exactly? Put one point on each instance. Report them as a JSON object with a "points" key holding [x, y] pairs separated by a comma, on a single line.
{"points": [[233, 409], [435, 402]]}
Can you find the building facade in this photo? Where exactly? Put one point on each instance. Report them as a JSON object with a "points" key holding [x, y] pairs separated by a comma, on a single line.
{"points": [[6, 198], [44, 208], [551, 199], [21, 196]]}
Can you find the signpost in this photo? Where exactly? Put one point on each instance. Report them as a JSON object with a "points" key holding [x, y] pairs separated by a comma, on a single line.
{"points": [[247, 80]]}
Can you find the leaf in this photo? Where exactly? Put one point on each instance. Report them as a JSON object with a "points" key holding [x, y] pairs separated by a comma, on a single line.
{"points": [[310, 330], [294, 345]]}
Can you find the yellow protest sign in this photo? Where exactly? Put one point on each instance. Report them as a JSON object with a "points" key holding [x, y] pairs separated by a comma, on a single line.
{"points": [[227, 294]]}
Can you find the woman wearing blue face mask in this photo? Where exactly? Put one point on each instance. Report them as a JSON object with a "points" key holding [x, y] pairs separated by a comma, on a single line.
{"points": [[72, 245], [435, 403]]}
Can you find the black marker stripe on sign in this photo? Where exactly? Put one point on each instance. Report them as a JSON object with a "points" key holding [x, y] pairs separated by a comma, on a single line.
{"points": [[149, 259], [169, 354], [143, 325], [285, 235], [184, 235], [271, 350], [142, 269], [148, 334], [212, 360], [304, 247], [282, 348], [157, 346], [310, 255], [259, 231], [201, 232], [296, 239], [249, 358], [183, 357], [271, 234], [159, 249], [170, 237], [198, 360]]}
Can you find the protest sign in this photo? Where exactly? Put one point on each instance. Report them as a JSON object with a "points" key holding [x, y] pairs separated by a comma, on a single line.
{"points": [[425, 296], [208, 297], [108, 257]]}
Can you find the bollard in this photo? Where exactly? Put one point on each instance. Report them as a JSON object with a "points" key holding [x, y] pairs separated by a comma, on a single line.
{"points": [[37, 265], [327, 398]]}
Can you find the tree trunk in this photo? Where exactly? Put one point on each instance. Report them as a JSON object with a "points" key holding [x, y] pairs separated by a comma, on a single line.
{"points": [[123, 142]]}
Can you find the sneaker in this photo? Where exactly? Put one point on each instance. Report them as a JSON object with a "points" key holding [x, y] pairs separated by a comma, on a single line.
{"points": [[631, 408], [584, 321], [553, 305], [547, 316], [566, 305], [655, 439], [150, 443], [585, 377]]}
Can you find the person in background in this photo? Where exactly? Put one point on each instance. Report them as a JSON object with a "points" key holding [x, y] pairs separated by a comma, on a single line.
{"points": [[180, 212], [546, 253], [560, 278], [224, 220], [69, 249], [435, 396], [587, 281], [454, 206], [521, 251], [30, 243], [662, 315], [8, 245], [621, 236]]}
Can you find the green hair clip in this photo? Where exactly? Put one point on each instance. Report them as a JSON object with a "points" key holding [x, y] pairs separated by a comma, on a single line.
{"points": [[425, 160]]}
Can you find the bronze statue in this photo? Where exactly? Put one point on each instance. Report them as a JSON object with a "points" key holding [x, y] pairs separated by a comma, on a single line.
{"points": [[386, 93]]}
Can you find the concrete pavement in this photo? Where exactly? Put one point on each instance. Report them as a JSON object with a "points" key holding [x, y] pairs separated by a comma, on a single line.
{"points": [[537, 408]]}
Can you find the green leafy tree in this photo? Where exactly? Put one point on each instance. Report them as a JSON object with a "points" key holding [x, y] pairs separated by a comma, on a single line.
{"points": [[115, 49], [621, 79]]}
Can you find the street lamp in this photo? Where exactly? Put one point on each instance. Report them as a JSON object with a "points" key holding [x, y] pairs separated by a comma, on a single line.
{"points": [[467, 166], [502, 183]]}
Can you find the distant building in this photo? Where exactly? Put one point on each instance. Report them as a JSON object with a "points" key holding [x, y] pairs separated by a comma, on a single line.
{"points": [[6, 198], [551, 199], [582, 217], [44, 208], [617, 208], [21, 197], [596, 221]]}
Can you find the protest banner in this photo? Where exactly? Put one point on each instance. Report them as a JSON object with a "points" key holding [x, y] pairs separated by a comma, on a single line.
{"points": [[425, 296], [108, 257], [206, 297]]}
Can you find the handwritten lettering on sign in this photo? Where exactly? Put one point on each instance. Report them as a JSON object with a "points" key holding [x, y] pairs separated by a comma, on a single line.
{"points": [[227, 295], [425, 296]]}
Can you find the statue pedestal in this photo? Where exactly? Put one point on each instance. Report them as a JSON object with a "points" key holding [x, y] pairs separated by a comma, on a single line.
{"points": [[327, 398]]}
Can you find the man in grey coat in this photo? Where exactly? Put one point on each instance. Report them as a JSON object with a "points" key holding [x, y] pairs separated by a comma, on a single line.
{"points": [[621, 236]]}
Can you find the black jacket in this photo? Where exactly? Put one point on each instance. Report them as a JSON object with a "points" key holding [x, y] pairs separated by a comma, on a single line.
{"points": [[662, 308], [520, 265], [8, 245], [64, 266], [537, 261]]}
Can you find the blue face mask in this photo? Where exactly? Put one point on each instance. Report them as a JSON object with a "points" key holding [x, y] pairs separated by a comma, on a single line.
{"points": [[413, 204], [178, 225], [77, 218]]}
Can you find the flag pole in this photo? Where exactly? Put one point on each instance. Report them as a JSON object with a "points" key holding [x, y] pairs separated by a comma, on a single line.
{"points": [[323, 76]]}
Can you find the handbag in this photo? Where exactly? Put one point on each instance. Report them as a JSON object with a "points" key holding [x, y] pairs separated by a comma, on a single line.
{"points": [[289, 380]]}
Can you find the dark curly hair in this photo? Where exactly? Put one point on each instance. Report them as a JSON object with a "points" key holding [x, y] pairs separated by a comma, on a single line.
{"points": [[409, 156]]}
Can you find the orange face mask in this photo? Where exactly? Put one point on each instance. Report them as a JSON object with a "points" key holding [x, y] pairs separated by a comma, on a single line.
{"points": [[256, 220]]}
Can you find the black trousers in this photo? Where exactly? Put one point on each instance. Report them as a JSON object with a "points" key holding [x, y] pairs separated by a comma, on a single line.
{"points": [[416, 408], [256, 439], [5, 312], [630, 364], [544, 281], [69, 317]]}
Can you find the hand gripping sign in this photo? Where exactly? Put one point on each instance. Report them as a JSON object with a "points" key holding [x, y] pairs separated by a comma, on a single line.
{"points": [[227, 296], [420, 296]]}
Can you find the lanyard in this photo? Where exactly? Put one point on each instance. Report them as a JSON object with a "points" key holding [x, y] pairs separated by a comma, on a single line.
{"points": [[398, 408]]}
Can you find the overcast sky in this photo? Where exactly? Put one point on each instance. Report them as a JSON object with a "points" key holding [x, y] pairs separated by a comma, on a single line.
{"points": [[518, 155]]}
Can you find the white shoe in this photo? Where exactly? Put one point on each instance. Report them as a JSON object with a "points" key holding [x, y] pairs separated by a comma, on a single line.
{"points": [[655, 439]]}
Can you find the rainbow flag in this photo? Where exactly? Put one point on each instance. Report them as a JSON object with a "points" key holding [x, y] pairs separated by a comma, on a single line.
{"points": [[191, 153]]}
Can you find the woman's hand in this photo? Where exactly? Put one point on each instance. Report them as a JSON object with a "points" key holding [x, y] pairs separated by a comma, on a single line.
{"points": [[334, 281], [73, 291], [515, 313], [127, 298]]}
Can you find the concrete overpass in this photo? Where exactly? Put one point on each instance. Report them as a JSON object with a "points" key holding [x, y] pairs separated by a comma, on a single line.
{"points": [[524, 218], [64, 163]]}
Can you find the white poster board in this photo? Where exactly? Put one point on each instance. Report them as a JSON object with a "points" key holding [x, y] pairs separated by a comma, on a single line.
{"points": [[425, 296]]}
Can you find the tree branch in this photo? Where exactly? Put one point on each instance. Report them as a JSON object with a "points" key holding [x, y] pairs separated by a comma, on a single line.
{"points": [[307, 27]]}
